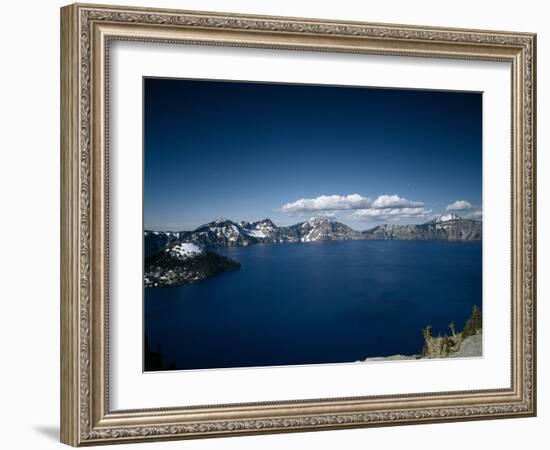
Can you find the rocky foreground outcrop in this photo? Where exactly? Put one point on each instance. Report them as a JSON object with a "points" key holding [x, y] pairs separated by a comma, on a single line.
{"points": [[471, 347], [467, 343]]}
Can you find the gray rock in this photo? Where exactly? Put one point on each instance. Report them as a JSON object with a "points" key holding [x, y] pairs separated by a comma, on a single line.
{"points": [[471, 347], [392, 358]]}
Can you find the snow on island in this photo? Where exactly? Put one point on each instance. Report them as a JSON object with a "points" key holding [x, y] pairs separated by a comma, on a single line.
{"points": [[182, 263], [184, 250]]}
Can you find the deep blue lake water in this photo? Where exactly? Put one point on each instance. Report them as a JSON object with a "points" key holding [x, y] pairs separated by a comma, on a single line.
{"points": [[314, 303]]}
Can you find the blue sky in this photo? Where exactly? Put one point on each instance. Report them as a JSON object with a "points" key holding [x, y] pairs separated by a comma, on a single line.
{"points": [[362, 156]]}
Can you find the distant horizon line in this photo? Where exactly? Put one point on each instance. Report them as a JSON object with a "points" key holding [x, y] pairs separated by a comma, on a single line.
{"points": [[325, 219]]}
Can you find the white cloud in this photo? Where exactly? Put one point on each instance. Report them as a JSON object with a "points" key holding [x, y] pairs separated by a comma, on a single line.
{"points": [[460, 205], [393, 201], [326, 203], [384, 207], [475, 215], [393, 207], [347, 202], [392, 213]]}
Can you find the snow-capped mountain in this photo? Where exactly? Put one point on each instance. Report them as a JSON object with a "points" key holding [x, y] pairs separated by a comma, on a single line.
{"points": [[323, 230], [262, 229], [226, 233], [223, 232], [220, 233]]}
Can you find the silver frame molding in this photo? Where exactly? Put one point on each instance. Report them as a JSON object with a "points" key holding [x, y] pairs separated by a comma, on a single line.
{"points": [[86, 32]]}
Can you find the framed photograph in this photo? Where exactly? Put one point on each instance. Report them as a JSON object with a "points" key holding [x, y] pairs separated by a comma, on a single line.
{"points": [[275, 224]]}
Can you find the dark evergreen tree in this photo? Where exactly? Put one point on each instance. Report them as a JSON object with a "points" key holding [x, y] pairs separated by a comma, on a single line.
{"points": [[473, 324]]}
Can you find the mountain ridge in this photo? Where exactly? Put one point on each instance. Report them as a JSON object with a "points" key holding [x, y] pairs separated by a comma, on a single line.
{"points": [[226, 233]]}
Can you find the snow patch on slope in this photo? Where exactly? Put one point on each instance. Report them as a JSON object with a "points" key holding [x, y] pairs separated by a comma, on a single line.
{"points": [[446, 218], [256, 233]]}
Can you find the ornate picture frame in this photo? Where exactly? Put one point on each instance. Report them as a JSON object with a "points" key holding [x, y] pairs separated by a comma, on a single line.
{"points": [[87, 32]]}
